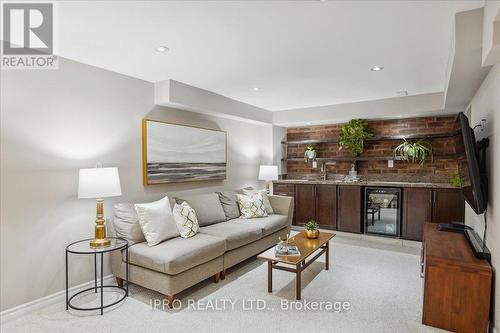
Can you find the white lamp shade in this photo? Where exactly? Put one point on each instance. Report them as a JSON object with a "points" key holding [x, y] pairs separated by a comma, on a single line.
{"points": [[99, 183], [268, 172]]}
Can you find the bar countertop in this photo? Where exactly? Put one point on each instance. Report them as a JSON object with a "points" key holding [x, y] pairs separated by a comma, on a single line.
{"points": [[372, 182]]}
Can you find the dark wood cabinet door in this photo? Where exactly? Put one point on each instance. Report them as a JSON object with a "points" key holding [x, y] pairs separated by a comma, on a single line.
{"points": [[417, 209], [286, 190], [349, 208], [326, 206], [448, 206], [305, 203]]}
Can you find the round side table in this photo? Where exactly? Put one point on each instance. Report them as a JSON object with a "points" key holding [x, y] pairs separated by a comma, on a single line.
{"points": [[83, 247]]}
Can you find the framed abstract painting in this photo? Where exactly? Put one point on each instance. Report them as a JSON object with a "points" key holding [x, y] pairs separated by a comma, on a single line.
{"points": [[175, 153]]}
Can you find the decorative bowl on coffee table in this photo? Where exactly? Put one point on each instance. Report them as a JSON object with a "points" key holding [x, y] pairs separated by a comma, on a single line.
{"points": [[312, 233], [311, 229]]}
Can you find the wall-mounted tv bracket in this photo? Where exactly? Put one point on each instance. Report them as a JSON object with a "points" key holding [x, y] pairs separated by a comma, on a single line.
{"points": [[481, 149], [481, 125]]}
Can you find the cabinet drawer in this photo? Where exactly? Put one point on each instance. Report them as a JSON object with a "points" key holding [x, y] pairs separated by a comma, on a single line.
{"points": [[284, 189]]}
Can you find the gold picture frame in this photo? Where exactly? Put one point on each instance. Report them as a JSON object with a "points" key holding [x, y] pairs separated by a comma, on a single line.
{"points": [[182, 153]]}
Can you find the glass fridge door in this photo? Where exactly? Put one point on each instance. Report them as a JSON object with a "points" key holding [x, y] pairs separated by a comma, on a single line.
{"points": [[382, 211]]}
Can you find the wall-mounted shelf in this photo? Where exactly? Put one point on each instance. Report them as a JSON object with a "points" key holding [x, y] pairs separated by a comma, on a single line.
{"points": [[379, 138], [370, 158]]}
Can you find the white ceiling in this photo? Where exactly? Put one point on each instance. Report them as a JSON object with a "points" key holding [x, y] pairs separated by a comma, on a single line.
{"points": [[299, 53]]}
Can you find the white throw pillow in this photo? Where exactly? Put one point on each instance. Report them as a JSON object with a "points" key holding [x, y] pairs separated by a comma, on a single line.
{"points": [[265, 198], [186, 220], [251, 206], [156, 220]]}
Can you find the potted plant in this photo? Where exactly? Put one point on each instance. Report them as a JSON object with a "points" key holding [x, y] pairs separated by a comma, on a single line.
{"points": [[417, 151], [353, 135], [457, 180], [309, 154], [312, 229]]}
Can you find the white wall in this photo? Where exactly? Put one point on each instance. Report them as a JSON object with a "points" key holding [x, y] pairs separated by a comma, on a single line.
{"points": [[387, 108], [173, 93], [466, 72], [54, 122], [486, 105], [491, 33], [279, 150]]}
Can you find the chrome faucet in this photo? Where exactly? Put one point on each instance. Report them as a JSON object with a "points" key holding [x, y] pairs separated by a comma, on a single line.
{"points": [[324, 169]]}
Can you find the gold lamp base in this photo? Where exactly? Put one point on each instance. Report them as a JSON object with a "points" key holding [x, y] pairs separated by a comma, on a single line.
{"points": [[97, 243], [100, 239]]}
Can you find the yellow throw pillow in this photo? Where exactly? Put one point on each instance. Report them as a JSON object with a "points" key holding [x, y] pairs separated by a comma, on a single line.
{"points": [[186, 220], [251, 206]]}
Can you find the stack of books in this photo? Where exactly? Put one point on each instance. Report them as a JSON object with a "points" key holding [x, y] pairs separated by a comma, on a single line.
{"points": [[291, 250]]}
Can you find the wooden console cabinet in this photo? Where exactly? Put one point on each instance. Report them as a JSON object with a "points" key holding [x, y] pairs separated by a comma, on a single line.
{"points": [[457, 285]]}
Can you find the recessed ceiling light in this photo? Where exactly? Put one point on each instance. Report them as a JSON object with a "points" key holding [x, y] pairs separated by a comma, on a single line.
{"points": [[377, 68], [161, 49], [256, 88]]}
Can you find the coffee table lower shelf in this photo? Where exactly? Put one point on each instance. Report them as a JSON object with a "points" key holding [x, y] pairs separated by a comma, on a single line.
{"points": [[298, 264]]}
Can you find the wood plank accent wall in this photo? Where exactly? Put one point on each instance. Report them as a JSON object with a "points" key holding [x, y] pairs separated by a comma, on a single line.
{"points": [[393, 127]]}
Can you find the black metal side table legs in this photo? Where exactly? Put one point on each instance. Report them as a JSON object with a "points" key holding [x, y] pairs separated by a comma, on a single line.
{"points": [[82, 247]]}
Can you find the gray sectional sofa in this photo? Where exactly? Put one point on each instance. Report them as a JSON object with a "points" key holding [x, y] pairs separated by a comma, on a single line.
{"points": [[222, 241]]}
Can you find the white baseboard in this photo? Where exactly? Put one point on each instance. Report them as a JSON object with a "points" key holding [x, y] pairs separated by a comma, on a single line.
{"points": [[57, 297]]}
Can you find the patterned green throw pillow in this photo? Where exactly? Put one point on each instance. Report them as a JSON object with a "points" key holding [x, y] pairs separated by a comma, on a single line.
{"points": [[251, 206], [185, 219]]}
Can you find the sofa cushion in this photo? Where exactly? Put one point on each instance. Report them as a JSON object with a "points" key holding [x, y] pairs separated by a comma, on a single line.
{"points": [[268, 224], [207, 207], [229, 201], [126, 223], [177, 255], [251, 206], [186, 220], [156, 220], [235, 234], [265, 198]]}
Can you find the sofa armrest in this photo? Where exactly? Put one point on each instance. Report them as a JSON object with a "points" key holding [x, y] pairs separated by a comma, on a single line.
{"points": [[282, 205]]}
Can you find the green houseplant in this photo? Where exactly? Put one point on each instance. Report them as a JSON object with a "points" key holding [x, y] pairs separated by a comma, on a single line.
{"points": [[417, 151], [310, 154], [312, 229], [353, 135], [457, 180]]}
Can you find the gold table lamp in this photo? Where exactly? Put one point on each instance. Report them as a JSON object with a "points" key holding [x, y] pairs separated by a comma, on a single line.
{"points": [[98, 183]]}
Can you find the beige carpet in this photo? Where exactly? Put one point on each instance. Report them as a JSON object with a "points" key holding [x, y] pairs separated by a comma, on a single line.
{"points": [[380, 282]]}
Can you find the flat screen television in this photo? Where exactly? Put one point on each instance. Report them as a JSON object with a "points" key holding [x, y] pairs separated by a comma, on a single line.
{"points": [[472, 167]]}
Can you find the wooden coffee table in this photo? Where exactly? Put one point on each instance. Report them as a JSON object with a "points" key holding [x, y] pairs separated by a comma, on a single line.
{"points": [[307, 247]]}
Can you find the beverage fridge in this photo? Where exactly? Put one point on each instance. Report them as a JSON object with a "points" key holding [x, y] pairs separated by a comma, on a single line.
{"points": [[382, 213]]}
